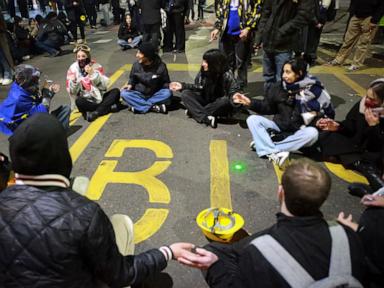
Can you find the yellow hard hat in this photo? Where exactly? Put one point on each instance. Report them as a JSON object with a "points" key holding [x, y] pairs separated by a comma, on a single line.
{"points": [[219, 224]]}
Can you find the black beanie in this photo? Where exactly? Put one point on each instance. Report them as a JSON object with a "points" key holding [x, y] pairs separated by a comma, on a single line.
{"points": [[39, 146], [148, 50]]}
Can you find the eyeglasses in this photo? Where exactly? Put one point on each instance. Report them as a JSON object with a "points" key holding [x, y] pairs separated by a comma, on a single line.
{"points": [[81, 47]]}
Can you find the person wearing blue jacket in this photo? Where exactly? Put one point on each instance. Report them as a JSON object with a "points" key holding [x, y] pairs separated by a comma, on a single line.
{"points": [[24, 99]]}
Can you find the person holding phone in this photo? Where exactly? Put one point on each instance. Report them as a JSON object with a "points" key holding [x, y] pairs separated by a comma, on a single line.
{"points": [[358, 141], [87, 87]]}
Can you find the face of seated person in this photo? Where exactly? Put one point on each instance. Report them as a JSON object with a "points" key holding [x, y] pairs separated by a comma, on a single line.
{"points": [[204, 65], [289, 76], [372, 100]]}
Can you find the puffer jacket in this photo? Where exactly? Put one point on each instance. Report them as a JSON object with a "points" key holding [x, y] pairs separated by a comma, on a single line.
{"points": [[54, 237], [282, 105], [280, 22]]}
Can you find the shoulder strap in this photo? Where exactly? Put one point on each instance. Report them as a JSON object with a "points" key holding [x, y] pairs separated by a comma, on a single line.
{"points": [[287, 266], [340, 263]]}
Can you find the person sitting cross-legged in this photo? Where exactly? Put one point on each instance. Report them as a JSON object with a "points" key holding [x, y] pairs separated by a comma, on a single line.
{"points": [[148, 84]]}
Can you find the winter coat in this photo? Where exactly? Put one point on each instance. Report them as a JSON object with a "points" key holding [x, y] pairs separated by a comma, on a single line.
{"points": [[148, 79], [74, 11], [4, 42], [280, 24], [53, 30], [18, 105], [54, 237], [126, 33], [282, 105], [150, 11], [211, 89]]}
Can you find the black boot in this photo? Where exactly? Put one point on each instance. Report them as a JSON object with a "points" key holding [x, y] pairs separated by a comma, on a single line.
{"points": [[92, 116], [370, 172], [359, 189]]}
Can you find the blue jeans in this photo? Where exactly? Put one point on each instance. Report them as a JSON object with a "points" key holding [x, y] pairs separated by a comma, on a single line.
{"points": [[137, 100], [46, 46], [264, 145], [273, 67], [5, 69], [135, 42]]}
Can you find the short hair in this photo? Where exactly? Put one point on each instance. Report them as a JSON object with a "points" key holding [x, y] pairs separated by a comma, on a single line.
{"points": [[298, 65], [306, 186]]}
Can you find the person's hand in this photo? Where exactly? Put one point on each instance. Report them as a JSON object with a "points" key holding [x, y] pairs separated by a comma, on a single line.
{"points": [[244, 34], [191, 256], [373, 200], [214, 35], [327, 124], [126, 87], [371, 118], [175, 86], [54, 88], [89, 69], [319, 25], [239, 98], [347, 221]]}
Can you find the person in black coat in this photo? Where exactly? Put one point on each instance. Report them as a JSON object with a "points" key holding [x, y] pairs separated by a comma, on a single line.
{"points": [[52, 236], [175, 10], [128, 36], [76, 15], [358, 141]]}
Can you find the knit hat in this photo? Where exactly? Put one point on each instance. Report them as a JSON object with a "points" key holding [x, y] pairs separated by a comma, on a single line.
{"points": [[39, 146], [148, 50], [27, 77]]}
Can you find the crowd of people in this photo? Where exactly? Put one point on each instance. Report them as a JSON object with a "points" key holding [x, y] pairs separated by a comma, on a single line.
{"points": [[300, 250]]}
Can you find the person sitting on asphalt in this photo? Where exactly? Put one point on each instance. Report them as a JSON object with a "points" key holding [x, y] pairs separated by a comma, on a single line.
{"points": [[24, 99], [297, 251], [287, 131], [148, 84], [128, 36], [52, 236], [210, 96], [371, 231], [357, 142], [87, 87], [51, 34]]}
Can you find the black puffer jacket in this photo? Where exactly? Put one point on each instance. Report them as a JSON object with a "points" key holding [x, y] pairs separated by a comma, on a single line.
{"points": [[280, 23], [58, 238], [279, 103]]}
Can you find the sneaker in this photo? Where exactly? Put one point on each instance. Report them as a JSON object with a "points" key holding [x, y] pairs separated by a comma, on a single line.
{"points": [[131, 109], [278, 158], [159, 108], [333, 62], [163, 109], [26, 57], [6, 82], [186, 112], [92, 116], [252, 146], [212, 121], [115, 108], [352, 68]]}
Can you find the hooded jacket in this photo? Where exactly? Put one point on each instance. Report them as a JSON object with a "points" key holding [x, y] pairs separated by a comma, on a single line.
{"points": [[50, 236]]}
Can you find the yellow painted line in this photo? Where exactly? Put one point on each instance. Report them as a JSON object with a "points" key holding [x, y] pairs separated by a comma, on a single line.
{"points": [[279, 173], [220, 183], [345, 174], [83, 141], [105, 174], [326, 52], [349, 82], [149, 224], [160, 149]]}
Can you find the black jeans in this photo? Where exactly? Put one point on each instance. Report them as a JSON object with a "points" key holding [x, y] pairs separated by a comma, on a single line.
{"points": [[91, 13], [152, 34], [199, 108], [237, 52], [109, 98], [175, 27], [76, 22]]}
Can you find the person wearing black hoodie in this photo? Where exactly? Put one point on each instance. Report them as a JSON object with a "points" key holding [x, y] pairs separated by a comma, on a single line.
{"points": [[128, 35], [52, 236], [175, 10], [148, 85]]}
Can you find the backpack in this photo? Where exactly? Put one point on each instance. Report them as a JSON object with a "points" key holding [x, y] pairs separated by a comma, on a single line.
{"points": [[331, 11], [340, 270]]}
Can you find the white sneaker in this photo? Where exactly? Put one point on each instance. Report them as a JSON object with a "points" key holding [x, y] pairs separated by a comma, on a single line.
{"points": [[124, 233], [252, 146], [352, 68], [26, 57], [278, 158], [212, 121], [6, 82]]}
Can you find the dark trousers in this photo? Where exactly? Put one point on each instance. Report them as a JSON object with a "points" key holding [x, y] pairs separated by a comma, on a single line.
{"points": [[190, 10], [237, 52], [109, 98], [91, 13], [23, 7], [77, 22], [175, 28], [200, 109], [152, 34]]}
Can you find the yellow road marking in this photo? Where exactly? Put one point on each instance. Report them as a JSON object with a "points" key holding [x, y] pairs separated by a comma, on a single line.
{"points": [[349, 82], [149, 224], [279, 172], [346, 175], [326, 52], [118, 146], [220, 183]]}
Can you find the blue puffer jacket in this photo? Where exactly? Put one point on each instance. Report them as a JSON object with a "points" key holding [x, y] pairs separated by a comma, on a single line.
{"points": [[18, 105]]}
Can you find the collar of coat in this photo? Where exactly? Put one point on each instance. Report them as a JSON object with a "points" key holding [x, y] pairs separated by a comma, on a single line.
{"points": [[42, 180]]}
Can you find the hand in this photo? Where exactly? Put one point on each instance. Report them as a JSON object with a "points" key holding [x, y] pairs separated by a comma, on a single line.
{"points": [[319, 25], [54, 88], [199, 258], [244, 34], [373, 200], [241, 99], [88, 68], [214, 34], [327, 124], [126, 87], [347, 221], [371, 118], [175, 86]]}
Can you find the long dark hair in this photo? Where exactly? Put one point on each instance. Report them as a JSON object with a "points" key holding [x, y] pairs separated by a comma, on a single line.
{"points": [[298, 66], [217, 62]]}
